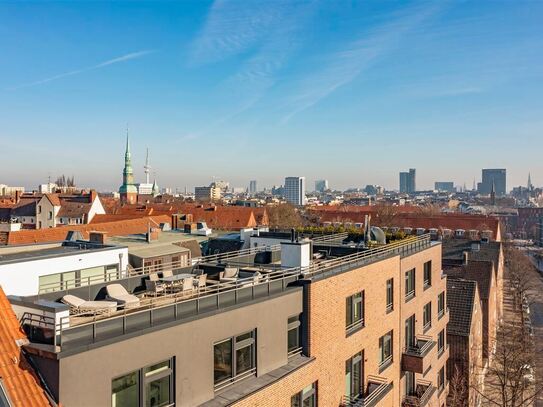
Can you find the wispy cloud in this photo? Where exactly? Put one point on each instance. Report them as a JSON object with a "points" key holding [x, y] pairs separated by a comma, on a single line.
{"points": [[343, 66], [122, 58], [232, 27]]}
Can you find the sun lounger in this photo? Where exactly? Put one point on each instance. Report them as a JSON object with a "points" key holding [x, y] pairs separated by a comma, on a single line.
{"points": [[80, 306], [118, 293]]}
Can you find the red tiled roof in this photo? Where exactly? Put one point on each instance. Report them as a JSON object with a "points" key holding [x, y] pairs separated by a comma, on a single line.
{"points": [[118, 228], [20, 382]]}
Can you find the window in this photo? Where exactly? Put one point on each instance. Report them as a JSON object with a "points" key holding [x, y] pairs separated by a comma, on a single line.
{"points": [[427, 316], [441, 379], [151, 386], [441, 304], [385, 350], [39, 208], [441, 342], [306, 398], [354, 311], [354, 377], [390, 295], [409, 284], [234, 358], [50, 215], [409, 383], [410, 332], [427, 274], [294, 336]]}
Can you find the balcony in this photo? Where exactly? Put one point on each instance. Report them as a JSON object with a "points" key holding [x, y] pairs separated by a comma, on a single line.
{"points": [[420, 397], [414, 358], [376, 390]]}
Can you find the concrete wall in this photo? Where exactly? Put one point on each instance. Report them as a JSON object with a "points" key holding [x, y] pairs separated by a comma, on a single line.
{"points": [[85, 378]]}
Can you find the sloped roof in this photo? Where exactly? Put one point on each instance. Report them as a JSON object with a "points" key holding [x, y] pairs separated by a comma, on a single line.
{"points": [[19, 380], [460, 299], [119, 228], [74, 209], [481, 272]]}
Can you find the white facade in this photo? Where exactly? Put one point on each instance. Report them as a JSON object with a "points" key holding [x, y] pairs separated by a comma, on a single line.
{"points": [[295, 190], [296, 254], [6, 190], [23, 277]]}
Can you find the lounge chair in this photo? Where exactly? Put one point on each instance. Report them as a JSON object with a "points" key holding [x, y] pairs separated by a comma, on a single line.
{"points": [[188, 285], [167, 273], [80, 306], [154, 285], [229, 274], [202, 281], [118, 293]]}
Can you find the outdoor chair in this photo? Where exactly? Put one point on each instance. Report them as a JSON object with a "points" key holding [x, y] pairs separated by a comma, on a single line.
{"points": [[117, 292], [80, 306]]}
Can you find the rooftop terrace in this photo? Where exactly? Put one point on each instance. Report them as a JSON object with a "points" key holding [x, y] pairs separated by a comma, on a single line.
{"points": [[216, 283]]}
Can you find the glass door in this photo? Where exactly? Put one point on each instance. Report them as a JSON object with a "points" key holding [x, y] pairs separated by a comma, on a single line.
{"points": [[410, 332]]}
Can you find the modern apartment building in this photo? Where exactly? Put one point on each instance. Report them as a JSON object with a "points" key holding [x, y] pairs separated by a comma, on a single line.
{"points": [[350, 326], [295, 190], [207, 194], [252, 187]]}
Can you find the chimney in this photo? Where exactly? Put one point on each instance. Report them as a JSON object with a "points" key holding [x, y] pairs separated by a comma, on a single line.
{"points": [[152, 234], [92, 195], [17, 196], [465, 258], [98, 237]]}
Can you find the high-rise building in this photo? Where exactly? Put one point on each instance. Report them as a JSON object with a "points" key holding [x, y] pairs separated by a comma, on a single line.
{"points": [[207, 194], [446, 186], [408, 184], [321, 185], [295, 190], [496, 177], [252, 187]]}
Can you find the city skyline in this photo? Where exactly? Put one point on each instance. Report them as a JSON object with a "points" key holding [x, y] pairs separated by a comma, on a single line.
{"points": [[368, 81]]}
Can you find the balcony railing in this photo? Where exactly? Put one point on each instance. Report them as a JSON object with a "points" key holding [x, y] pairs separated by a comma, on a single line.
{"points": [[422, 345], [355, 325], [230, 381], [377, 388], [385, 363], [403, 247], [420, 397], [410, 294]]}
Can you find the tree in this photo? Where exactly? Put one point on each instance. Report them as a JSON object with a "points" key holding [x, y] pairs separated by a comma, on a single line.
{"points": [[284, 216], [458, 389], [385, 215]]}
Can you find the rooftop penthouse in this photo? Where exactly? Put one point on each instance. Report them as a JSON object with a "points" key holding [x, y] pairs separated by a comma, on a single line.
{"points": [[177, 313]]}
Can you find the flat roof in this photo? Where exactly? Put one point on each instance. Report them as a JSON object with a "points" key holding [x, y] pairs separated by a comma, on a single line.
{"points": [[159, 250], [15, 254]]}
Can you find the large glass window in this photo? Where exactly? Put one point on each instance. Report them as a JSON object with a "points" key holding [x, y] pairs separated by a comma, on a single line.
{"points": [[354, 376], [151, 386], [92, 275], [410, 332], [385, 350], [294, 335], [306, 398], [125, 391], [234, 357], [354, 311], [390, 295], [441, 379], [409, 284], [427, 316], [427, 274]]}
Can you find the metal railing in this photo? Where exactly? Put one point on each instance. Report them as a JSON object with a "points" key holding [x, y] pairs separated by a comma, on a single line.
{"points": [[294, 352], [230, 381], [383, 386], [166, 308], [402, 247], [423, 392], [423, 345], [355, 325], [385, 362]]}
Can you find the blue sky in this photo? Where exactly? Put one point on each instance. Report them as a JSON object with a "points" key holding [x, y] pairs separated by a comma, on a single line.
{"points": [[351, 91]]}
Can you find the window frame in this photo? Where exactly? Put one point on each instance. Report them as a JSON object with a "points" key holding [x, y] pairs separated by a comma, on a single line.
{"points": [[441, 379], [236, 345], [294, 324], [350, 364], [298, 399], [441, 342], [390, 295], [352, 302], [386, 360], [410, 284], [441, 305], [427, 274], [427, 316], [142, 380]]}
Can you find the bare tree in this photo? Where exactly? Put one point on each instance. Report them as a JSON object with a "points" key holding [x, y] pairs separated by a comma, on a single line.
{"points": [[521, 276], [385, 215], [509, 379], [284, 216], [458, 389]]}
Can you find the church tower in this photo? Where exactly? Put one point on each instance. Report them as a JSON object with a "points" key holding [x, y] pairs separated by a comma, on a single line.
{"points": [[128, 191]]}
